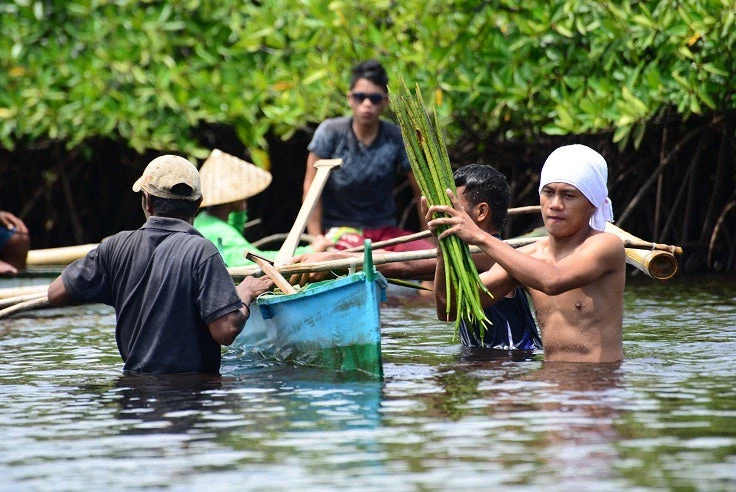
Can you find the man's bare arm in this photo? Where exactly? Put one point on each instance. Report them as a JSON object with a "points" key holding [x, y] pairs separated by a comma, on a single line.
{"points": [[598, 255], [57, 293], [226, 328]]}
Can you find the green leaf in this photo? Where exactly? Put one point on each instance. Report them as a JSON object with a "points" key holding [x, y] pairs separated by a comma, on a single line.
{"points": [[621, 135]]}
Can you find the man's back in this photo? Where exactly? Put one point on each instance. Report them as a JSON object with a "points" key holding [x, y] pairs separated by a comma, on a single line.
{"points": [[155, 279]]}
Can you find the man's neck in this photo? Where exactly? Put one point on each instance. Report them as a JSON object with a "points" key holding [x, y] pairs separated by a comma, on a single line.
{"points": [[219, 211], [487, 227], [366, 133], [561, 244], [188, 220]]}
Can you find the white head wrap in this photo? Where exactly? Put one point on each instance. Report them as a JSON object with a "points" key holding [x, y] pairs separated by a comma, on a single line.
{"points": [[586, 170]]}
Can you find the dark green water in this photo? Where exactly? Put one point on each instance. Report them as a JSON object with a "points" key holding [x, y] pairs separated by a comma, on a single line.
{"points": [[663, 419]]}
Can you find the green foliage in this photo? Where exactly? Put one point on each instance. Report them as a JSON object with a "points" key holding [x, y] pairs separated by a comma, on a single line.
{"points": [[150, 72]]}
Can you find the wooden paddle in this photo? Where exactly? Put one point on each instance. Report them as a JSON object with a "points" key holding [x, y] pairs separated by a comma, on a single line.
{"points": [[272, 273], [323, 166]]}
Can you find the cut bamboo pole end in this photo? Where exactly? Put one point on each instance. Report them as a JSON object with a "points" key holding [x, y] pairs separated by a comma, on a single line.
{"points": [[656, 263]]}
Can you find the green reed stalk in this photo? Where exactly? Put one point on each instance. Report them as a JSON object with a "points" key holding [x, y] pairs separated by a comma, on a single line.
{"points": [[431, 166]]}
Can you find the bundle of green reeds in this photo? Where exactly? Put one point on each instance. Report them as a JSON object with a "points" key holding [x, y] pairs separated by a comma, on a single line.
{"points": [[430, 163]]}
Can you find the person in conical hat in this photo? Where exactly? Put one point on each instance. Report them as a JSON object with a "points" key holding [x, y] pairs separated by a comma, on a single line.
{"points": [[575, 275], [227, 183]]}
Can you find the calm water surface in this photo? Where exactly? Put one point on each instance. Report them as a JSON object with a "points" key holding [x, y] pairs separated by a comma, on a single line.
{"points": [[664, 418]]}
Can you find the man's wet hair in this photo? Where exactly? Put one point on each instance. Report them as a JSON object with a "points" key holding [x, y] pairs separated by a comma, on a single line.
{"points": [[176, 209], [370, 70], [484, 183]]}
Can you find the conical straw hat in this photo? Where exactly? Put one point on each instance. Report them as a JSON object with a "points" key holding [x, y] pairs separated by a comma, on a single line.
{"points": [[225, 179]]}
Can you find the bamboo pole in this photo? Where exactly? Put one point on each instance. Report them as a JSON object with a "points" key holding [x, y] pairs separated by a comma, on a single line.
{"points": [[629, 242], [238, 273], [529, 209], [426, 234], [390, 242], [58, 256], [12, 301], [35, 303], [658, 264], [21, 291]]}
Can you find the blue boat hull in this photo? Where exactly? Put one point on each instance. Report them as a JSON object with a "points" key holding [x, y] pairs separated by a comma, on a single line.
{"points": [[333, 324]]}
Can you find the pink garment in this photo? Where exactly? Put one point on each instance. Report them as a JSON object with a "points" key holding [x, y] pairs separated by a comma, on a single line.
{"points": [[350, 238]]}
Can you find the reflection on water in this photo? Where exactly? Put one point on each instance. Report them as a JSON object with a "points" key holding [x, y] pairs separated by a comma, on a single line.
{"points": [[444, 418], [173, 404]]}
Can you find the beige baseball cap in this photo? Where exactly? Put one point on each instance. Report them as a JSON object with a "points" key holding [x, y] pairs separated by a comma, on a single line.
{"points": [[226, 178], [172, 177]]}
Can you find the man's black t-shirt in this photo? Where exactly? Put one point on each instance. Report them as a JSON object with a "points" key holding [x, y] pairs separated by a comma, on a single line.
{"points": [[166, 283]]}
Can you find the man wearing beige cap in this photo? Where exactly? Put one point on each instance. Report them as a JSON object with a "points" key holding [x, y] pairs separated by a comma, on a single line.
{"points": [[175, 303], [227, 182]]}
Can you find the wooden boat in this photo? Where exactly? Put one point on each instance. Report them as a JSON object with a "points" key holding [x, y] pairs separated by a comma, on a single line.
{"points": [[333, 324]]}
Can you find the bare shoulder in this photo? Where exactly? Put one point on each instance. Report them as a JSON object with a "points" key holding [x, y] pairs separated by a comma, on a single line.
{"points": [[605, 240], [605, 246], [541, 244]]}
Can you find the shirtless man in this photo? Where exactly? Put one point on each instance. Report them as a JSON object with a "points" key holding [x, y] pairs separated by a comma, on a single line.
{"points": [[484, 193], [575, 276]]}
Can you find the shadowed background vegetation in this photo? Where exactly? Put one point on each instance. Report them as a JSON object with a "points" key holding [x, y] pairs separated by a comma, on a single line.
{"points": [[91, 90]]}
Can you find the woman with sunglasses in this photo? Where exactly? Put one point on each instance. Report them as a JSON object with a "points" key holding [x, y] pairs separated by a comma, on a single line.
{"points": [[357, 202]]}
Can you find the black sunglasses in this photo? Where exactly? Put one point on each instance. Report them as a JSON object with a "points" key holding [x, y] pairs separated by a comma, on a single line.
{"points": [[375, 97]]}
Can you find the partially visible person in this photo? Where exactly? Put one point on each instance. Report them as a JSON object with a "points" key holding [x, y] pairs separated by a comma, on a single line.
{"points": [[175, 303], [227, 183], [575, 276], [484, 193], [14, 244], [357, 202]]}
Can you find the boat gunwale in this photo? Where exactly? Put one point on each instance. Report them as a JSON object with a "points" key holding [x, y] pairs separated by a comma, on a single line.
{"points": [[320, 287]]}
